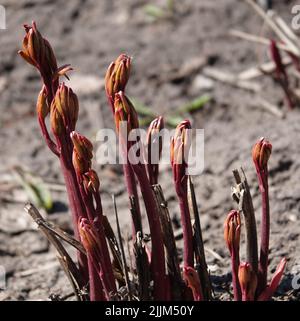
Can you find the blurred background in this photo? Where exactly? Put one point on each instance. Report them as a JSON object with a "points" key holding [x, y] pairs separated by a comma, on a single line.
{"points": [[185, 63]]}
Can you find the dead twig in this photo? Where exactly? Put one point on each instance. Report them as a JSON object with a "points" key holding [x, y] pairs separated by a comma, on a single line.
{"points": [[256, 39], [114, 247], [261, 70], [142, 268], [61, 234], [241, 194], [278, 31], [169, 243], [231, 79], [198, 241], [269, 107], [64, 258]]}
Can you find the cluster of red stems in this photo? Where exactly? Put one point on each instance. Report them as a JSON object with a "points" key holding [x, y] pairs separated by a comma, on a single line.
{"points": [[160, 266]]}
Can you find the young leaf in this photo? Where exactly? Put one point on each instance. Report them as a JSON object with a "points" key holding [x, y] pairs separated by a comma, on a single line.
{"points": [[195, 104], [154, 11], [35, 189]]}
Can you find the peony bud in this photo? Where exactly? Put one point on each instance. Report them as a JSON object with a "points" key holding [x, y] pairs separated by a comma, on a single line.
{"points": [[261, 153], [125, 111], [154, 142], [232, 231], [192, 278], [56, 121], [37, 51], [248, 281], [179, 151], [117, 75], [66, 103], [89, 238], [272, 287], [42, 106], [82, 153]]}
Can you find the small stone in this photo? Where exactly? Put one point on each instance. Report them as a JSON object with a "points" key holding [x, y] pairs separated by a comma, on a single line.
{"points": [[203, 83]]}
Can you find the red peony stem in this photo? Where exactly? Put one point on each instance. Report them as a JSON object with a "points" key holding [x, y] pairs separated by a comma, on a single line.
{"points": [[116, 78], [179, 154], [261, 153]]}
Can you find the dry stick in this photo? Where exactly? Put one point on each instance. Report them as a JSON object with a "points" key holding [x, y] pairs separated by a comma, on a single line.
{"points": [[63, 235], [136, 218], [267, 106], [256, 39], [113, 244], [177, 284], [198, 240], [293, 48], [231, 79], [216, 255], [284, 27], [241, 194], [65, 260], [125, 269], [263, 69], [142, 267]]}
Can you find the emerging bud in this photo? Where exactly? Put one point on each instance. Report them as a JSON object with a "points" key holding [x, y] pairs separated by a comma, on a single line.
{"points": [[248, 281], [272, 287], [37, 50], [154, 143], [82, 145], [232, 231], [180, 145], [66, 104], [117, 75], [125, 111], [82, 153], [91, 181], [57, 123], [192, 278], [42, 106], [89, 238], [261, 153]]}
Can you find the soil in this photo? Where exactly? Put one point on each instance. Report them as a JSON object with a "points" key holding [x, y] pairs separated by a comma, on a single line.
{"points": [[89, 34]]}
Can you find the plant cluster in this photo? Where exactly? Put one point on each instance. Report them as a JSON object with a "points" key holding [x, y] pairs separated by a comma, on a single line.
{"points": [[157, 273]]}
